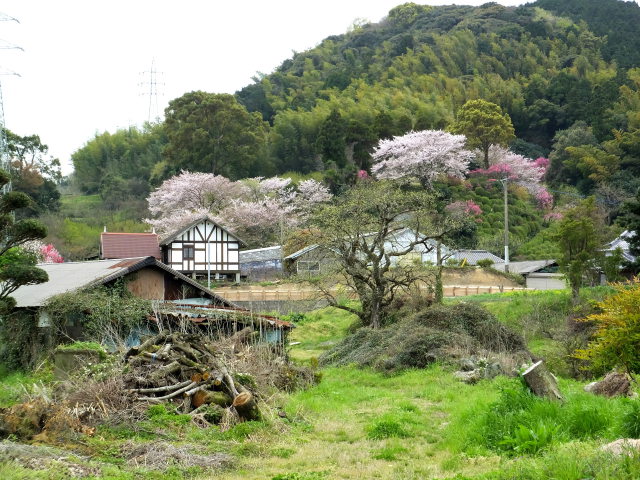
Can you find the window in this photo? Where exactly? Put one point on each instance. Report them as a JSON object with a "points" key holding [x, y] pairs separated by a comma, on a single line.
{"points": [[308, 266], [188, 252]]}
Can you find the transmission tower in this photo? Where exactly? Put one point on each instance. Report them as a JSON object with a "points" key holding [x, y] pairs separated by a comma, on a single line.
{"points": [[149, 87], [5, 161]]}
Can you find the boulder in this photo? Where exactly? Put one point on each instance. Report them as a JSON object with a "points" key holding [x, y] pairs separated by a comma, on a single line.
{"points": [[622, 446], [471, 377], [614, 384]]}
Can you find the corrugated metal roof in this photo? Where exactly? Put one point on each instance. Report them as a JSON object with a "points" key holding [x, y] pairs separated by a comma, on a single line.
{"points": [[261, 254], [301, 252], [129, 245], [70, 276]]}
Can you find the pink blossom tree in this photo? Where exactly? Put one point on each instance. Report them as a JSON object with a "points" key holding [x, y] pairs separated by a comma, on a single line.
{"points": [[504, 164], [45, 253], [425, 155]]}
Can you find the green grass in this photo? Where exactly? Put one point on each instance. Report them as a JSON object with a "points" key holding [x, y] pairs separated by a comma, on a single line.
{"points": [[415, 424], [320, 331]]}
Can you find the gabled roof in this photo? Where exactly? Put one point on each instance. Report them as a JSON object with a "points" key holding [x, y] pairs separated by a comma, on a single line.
{"points": [[301, 252], [129, 245], [172, 236], [261, 254], [526, 267], [71, 276], [473, 256]]}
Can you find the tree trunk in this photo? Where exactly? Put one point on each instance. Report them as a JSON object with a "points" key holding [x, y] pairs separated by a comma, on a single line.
{"points": [[541, 382], [438, 288]]}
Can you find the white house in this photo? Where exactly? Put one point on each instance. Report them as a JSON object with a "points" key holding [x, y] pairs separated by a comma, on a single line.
{"points": [[203, 248]]}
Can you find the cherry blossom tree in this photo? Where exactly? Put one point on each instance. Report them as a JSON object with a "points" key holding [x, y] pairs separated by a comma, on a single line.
{"points": [[424, 155], [260, 210], [195, 191], [504, 164]]}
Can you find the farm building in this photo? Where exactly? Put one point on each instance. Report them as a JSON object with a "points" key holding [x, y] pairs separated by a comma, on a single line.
{"points": [[145, 277], [179, 298], [203, 249], [261, 264], [539, 274]]}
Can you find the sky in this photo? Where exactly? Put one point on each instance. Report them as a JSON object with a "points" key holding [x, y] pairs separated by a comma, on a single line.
{"points": [[82, 64]]}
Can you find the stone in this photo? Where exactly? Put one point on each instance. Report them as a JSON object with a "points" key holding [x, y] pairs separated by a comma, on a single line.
{"points": [[622, 446], [471, 377], [612, 385], [467, 365]]}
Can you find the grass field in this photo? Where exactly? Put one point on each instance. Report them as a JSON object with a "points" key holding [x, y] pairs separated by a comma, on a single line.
{"points": [[362, 424]]}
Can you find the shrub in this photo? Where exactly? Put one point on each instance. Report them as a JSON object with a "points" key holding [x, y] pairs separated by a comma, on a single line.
{"points": [[615, 342], [430, 335], [485, 263]]}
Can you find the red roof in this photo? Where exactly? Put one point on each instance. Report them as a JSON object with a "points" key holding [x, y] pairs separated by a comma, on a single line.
{"points": [[129, 245]]}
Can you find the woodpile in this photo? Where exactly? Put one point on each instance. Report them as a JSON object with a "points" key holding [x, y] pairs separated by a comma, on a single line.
{"points": [[192, 372]]}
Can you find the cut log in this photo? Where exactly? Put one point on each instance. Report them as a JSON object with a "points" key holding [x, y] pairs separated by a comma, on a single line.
{"points": [[166, 388], [203, 397], [171, 395], [245, 405], [541, 382], [164, 371]]}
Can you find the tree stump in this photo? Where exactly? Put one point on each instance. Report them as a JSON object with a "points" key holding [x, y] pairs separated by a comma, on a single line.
{"points": [[541, 382], [245, 405]]}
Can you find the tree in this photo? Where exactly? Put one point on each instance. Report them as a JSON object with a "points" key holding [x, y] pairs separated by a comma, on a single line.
{"points": [[259, 210], [331, 142], [359, 229], [17, 267], [424, 155], [517, 169], [484, 124], [579, 239], [213, 133], [34, 173]]}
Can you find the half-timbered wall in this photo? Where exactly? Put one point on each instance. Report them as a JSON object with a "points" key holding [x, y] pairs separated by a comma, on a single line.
{"points": [[203, 247]]}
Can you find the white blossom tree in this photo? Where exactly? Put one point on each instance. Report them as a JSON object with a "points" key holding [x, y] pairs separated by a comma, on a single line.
{"points": [[425, 155], [260, 210]]}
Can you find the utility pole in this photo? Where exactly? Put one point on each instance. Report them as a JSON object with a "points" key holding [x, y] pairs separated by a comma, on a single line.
{"points": [[504, 182]]}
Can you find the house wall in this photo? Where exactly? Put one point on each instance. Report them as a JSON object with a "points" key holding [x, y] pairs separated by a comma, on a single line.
{"points": [[147, 283], [214, 249]]}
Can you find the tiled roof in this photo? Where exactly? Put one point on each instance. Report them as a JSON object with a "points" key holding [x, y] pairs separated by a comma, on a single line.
{"points": [[129, 245], [473, 256]]}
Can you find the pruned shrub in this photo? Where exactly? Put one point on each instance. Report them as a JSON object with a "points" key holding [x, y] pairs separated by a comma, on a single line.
{"points": [[435, 334]]}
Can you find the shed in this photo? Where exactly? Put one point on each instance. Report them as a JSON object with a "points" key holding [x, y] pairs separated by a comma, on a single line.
{"points": [[261, 264], [539, 274]]}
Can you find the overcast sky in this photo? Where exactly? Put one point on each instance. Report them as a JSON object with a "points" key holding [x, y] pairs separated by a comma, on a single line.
{"points": [[82, 61]]}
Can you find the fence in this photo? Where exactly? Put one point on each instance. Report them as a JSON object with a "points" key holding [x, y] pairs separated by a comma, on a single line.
{"points": [[266, 294]]}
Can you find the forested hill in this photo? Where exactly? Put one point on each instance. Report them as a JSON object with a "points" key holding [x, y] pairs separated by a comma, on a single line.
{"points": [[617, 20], [414, 69]]}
